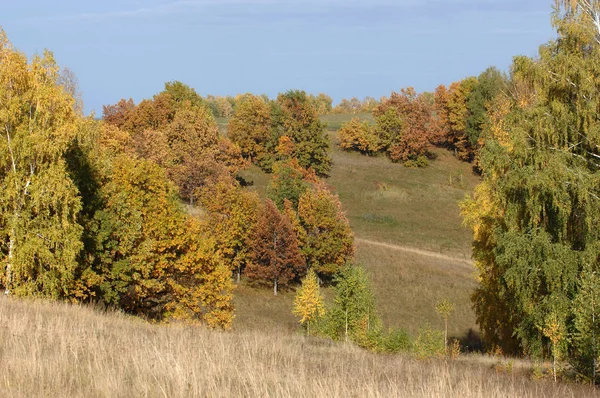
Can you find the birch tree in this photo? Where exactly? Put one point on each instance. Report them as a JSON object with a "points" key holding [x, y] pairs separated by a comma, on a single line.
{"points": [[40, 237]]}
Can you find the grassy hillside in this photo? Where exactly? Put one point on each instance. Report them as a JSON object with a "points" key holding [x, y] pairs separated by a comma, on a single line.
{"points": [[58, 350], [392, 210], [334, 122]]}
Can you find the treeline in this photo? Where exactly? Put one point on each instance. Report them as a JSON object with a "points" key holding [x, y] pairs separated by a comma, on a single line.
{"points": [[407, 125], [225, 106]]}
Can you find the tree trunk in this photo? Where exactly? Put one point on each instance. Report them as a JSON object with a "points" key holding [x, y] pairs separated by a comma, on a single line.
{"points": [[9, 264], [446, 336], [554, 365], [275, 287], [239, 272], [346, 324]]}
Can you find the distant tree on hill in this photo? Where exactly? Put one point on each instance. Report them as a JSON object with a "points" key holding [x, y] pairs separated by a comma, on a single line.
{"points": [[368, 104], [287, 183], [322, 103], [295, 117], [250, 127], [403, 126], [275, 255], [329, 241], [461, 112], [348, 106], [488, 85], [358, 136]]}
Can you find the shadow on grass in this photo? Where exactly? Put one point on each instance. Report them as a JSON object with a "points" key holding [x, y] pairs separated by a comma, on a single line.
{"points": [[470, 341]]}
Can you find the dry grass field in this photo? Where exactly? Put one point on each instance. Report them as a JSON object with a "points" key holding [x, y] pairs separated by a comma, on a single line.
{"points": [[410, 238], [59, 350]]}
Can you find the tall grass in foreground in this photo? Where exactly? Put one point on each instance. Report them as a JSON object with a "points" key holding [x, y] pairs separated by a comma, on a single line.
{"points": [[57, 350]]}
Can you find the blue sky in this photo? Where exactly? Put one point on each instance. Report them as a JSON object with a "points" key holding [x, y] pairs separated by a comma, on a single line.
{"points": [[127, 48]]}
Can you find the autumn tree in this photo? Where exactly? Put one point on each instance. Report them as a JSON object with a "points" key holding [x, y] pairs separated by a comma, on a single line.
{"points": [[329, 242], [288, 183], [295, 117], [176, 131], [440, 121], [275, 256], [192, 138], [180, 93], [150, 114], [486, 87], [308, 303], [358, 136], [250, 127], [231, 214], [153, 259], [403, 126], [535, 214], [322, 103], [40, 238], [458, 113], [461, 112], [118, 114]]}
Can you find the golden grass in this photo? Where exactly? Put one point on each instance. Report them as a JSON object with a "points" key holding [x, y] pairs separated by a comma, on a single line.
{"points": [[408, 285], [58, 350]]}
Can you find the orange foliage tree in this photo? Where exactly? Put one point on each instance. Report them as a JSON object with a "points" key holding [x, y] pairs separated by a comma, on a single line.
{"points": [[176, 130], [328, 240], [403, 126]]}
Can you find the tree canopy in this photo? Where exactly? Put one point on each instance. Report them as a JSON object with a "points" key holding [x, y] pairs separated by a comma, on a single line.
{"points": [[535, 215]]}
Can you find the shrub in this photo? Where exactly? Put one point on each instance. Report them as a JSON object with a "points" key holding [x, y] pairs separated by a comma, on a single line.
{"points": [[429, 343]]}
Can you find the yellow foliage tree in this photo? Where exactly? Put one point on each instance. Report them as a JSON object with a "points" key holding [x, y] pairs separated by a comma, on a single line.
{"points": [[231, 214], [40, 239], [308, 304], [359, 136]]}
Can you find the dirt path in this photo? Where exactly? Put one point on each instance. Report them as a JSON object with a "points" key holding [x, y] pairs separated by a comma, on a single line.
{"points": [[421, 252]]}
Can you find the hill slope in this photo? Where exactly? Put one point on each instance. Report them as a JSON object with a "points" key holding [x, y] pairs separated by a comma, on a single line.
{"points": [[409, 236], [59, 350]]}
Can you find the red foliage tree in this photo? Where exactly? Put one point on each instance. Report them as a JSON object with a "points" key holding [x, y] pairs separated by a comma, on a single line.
{"points": [[403, 125], [275, 256], [119, 113]]}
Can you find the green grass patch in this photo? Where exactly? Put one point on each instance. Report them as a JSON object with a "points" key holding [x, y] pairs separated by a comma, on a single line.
{"points": [[379, 219], [335, 122]]}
